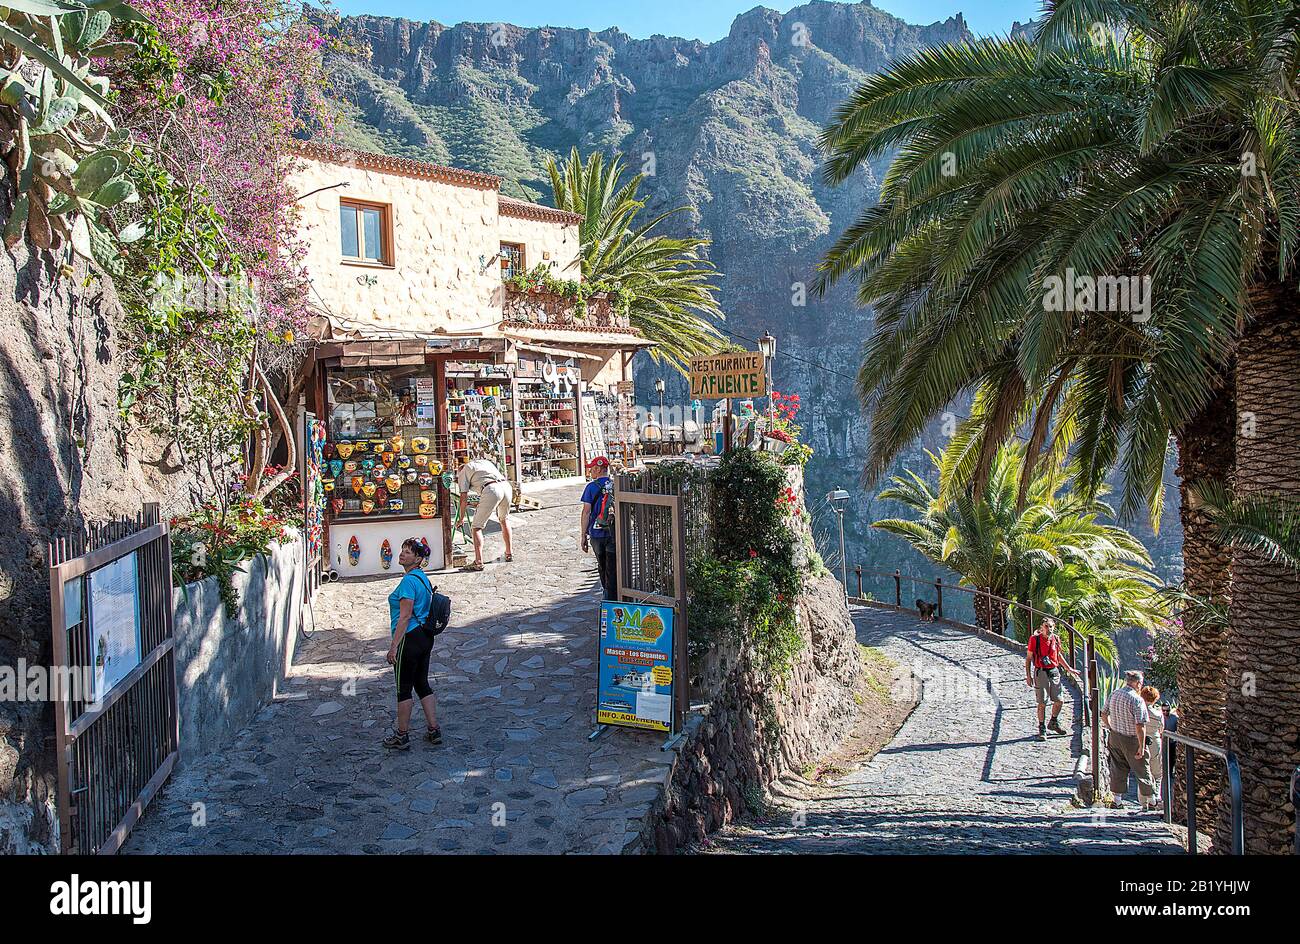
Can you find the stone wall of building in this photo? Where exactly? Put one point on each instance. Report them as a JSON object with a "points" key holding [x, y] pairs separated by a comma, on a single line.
{"points": [[443, 273], [756, 728]]}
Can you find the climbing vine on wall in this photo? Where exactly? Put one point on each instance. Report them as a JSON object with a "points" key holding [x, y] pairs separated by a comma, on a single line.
{"points": [[744, 585]]}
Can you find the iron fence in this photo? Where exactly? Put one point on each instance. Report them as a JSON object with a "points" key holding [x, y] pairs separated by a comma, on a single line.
{"points": [[1233, 769]]}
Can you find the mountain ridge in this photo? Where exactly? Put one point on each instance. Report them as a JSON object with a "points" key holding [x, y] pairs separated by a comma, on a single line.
{"points": [[727, 129]]}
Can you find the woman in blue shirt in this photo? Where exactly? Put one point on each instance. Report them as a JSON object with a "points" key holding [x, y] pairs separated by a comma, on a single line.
{"points": [[412, 645]]}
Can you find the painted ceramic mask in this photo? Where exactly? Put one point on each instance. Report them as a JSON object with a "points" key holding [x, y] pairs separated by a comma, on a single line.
{"points": [[336, 467], [394, 504], [447, 479], [344, 450], [428, 510], [357, 482], [367, 463], [396, 443], [419, 444], [368, 489], [387, 457], [426, 480], [337, 505], [361, 446], [379, 473], [428, 495], [435, 466], [421, 461], [411, 476], [328, 486], [381, 495], [378, 445], [393, 483], [403, 462], [367, 507]]}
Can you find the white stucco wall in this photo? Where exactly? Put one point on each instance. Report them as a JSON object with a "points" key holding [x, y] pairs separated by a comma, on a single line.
{"points": [[442, 234]]}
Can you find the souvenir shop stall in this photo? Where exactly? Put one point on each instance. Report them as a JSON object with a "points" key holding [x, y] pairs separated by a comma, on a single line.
{"points": [[398, 416], [545, 428]]}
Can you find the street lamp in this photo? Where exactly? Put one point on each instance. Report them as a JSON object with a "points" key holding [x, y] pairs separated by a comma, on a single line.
{"points": [[839, 499], [767, 344], [659, 389]]}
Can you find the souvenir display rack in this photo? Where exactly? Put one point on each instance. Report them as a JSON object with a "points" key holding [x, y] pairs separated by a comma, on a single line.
{"points": [[544, 432], [477, 430], [383, 458]]}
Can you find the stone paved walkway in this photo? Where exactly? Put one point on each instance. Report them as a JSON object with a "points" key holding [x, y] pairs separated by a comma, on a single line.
{"points": [[515, 680], [965, 773]]}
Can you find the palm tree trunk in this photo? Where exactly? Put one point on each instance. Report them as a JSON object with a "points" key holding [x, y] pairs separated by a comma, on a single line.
{"points": [[1205, 453], [994, 617], [1263, 707]]}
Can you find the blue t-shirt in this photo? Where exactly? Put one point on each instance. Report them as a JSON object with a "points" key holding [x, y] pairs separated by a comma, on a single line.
{"points": [[591, 496], [413, 587]]}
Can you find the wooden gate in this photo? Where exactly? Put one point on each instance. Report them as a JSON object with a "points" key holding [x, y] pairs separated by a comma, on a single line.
{"points": [[650, 557], [116, 724]]}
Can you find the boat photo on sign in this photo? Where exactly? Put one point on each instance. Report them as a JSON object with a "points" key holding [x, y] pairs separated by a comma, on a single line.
{"points": [[636, 666]]}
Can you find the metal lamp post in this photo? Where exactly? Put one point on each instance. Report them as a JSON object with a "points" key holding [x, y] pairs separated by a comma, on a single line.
{"points": [[767, 345], [839, 499], [659, 389]]}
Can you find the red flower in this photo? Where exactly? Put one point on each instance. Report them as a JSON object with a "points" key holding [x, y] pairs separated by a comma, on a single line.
{"points": [[752, 553]]}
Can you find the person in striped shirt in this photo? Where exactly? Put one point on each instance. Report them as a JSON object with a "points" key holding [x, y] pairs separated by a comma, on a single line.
{"points": [[1126, 719]]}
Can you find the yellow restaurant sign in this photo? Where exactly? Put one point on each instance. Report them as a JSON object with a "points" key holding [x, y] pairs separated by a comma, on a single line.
{"points": [[722, 376]]}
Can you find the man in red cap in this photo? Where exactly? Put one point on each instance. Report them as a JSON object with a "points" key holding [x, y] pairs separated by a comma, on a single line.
{"points": [[598, 523]]}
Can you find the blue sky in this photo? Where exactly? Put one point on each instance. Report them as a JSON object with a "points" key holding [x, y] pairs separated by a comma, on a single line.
{"points": [[694, 19]]}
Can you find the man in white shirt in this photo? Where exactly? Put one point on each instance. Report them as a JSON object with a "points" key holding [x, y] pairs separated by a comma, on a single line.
{"points": [[494, 495]]}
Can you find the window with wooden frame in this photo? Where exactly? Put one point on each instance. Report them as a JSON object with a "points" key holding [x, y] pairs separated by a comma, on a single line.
{"points": [[512, 260], [366, 232]]}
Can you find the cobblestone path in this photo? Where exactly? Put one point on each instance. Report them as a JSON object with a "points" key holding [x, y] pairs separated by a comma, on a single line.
{"points": [[965, 773], [515, 680]]}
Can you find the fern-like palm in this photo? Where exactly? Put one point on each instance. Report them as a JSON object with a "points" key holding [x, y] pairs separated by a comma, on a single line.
{"points": [[1052, 551], [670, 284]]}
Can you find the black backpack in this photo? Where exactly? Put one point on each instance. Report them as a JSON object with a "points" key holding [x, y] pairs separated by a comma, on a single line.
{"points": [[439, 608]]}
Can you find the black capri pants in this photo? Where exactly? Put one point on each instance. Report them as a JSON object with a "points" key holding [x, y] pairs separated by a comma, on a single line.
{"points": [[411, 670]]}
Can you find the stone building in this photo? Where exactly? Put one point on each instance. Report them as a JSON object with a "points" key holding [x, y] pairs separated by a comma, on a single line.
{"points": [[425, 337]]}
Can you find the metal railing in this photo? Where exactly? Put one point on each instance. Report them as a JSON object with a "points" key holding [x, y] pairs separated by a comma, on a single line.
{"points": [[1295, 805], [1168, 738]]}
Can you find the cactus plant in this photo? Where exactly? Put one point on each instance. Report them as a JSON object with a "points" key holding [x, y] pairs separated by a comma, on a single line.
{"points": [[56, 134]]}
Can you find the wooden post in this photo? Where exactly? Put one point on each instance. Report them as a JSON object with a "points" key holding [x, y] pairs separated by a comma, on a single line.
{"points": [[898, 589], [442, 433]]}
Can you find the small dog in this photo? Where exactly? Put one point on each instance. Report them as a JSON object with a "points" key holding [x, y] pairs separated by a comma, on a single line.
{"points": [[926, 610]]}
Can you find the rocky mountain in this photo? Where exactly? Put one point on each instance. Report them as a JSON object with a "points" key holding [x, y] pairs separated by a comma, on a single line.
{"points": [[728, 129]]}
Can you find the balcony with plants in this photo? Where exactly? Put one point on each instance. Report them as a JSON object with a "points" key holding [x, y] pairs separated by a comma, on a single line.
{"points": [[538, 298]]}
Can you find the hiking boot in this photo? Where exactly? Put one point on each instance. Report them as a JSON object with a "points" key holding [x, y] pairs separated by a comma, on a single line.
{"points": [[398, 741], [1055, 726], [1042, 733], [433, 736]]}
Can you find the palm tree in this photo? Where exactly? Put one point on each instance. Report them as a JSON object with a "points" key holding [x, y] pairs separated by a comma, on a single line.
{"points": [[671, 286], [1051, 550], [1112, 152]]}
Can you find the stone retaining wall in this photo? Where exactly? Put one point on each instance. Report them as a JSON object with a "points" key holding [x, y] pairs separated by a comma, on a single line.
{"points": [[755, 729], [228, 668]]}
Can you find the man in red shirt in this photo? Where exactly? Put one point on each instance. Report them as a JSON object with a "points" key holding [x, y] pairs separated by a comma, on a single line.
{"points": [[1043, 667]]}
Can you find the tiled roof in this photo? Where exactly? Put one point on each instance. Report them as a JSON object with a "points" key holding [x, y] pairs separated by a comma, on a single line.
{"points": [[535, 211], [386, 163]]}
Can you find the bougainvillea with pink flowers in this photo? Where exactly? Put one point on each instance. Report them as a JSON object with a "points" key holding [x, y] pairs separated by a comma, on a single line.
{"points": [[214, 289]]}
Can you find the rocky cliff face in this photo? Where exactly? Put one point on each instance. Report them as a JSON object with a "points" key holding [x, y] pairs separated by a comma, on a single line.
{"points": [[728, 129]]}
